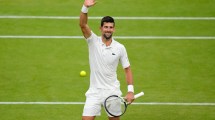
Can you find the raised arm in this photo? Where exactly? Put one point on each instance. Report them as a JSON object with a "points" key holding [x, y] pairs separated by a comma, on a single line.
{"points": [[84, 18]]}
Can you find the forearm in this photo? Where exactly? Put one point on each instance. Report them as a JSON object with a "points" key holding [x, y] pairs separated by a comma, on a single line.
{"points": [[83, 17], [83, 22], [129, 79]]}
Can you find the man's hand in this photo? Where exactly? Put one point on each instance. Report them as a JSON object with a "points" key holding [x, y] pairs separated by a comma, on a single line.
{"points": [[89, 3], [129, 97]]}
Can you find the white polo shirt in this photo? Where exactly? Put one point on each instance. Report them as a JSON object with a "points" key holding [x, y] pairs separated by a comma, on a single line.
{"points": [[104, 61]]}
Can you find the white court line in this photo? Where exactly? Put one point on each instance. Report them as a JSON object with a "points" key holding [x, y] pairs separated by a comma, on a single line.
{"points": [[42, 103], [116, 37], [42, 37], [171, 103], [116, 17], [81, 103]]}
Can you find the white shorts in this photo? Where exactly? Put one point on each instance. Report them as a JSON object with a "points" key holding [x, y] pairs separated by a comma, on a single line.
{"points": [[95, 99]]}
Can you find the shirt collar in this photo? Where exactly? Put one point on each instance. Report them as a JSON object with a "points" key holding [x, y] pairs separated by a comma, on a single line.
{"points": [[111, 45]]}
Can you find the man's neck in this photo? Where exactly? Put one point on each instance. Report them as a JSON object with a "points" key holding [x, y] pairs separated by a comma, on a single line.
{"points": [[107, 42]]}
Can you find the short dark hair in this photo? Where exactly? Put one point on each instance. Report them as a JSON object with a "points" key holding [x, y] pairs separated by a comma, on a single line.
{"points": [[107, 19]]}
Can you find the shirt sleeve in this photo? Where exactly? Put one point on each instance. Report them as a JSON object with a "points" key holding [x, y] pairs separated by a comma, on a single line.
{"points": [[92, 37], [124, 58]]}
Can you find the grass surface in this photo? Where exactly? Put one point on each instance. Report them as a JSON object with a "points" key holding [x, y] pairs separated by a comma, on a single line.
{"points": [[47, 70]]}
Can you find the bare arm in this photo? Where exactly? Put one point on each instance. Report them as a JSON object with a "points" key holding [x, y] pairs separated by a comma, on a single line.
{"points": [[84, 18], [129, 77], [83, 25], [129, 80]]}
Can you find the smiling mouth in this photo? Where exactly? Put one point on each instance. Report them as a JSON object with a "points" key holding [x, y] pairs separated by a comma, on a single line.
{"points": [[107, 36]]}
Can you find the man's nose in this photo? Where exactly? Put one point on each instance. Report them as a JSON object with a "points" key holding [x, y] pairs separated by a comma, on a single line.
{"points": [[108, 29]]}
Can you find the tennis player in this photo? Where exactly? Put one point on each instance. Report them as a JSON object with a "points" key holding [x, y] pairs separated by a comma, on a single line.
{"points": [[104, 55]]}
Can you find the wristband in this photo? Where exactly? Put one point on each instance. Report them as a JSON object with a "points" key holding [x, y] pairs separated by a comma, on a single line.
{"points": [[130, 88], [84, 9]]}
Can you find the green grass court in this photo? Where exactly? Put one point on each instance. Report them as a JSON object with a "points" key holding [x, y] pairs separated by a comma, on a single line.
{"points": [[167, 70]]}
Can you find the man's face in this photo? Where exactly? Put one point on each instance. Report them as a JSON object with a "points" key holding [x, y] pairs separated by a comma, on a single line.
{"points": [[107, 30]]}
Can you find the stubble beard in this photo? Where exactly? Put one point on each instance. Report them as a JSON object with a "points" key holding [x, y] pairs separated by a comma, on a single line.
{"points": [[107, 37]]}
